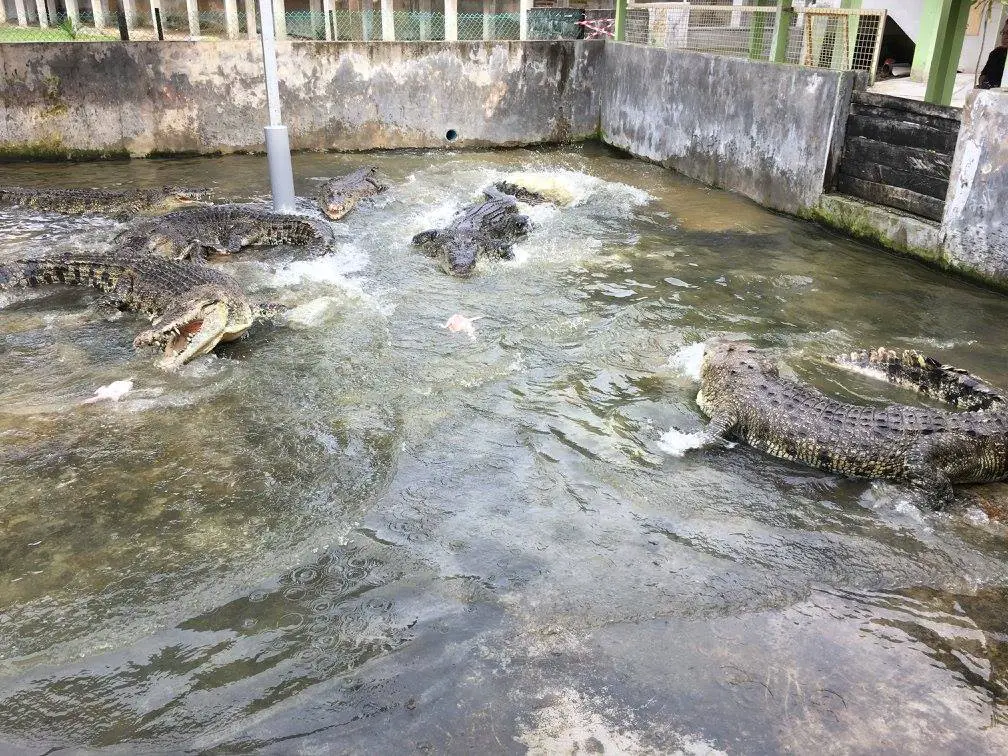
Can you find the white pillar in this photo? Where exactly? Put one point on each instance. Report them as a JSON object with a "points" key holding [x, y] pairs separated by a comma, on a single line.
{"points": [[19, 11], [523, 9], [489, 11], [250, 19], [425, 19], [192, 11], [73, 13], [129, 12], [451, 20], [366, 7], [327, 18], [315, 14], [231, 19], [41, 11], [279, 18], [387, 21], [99, 14]]}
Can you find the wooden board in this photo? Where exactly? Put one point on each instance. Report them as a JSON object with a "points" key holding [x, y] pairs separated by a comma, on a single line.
{"points": [[908, 106], [900, 132], [892, 196], [952, 127], [858, 149], [884, 174]]}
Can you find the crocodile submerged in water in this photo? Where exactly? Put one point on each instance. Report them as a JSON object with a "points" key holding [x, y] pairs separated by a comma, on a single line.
{"points": [[338, 196], [115, 202], [487, 228], [192, 306], [746, 398], [223, 230]]}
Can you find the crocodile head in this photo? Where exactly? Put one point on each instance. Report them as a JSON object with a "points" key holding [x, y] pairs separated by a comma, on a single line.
{"points": [[339, 197], [203, 318], [724, 365], [179, 196]]}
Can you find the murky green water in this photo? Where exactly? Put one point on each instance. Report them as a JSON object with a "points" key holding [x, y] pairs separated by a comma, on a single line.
{"points": [[360, 532]]}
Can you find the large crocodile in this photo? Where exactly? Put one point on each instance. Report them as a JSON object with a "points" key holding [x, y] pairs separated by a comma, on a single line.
{"points": [[746, 398], [223, 229], [115, 202], [488, 228], [192, 306], [338, 196]]}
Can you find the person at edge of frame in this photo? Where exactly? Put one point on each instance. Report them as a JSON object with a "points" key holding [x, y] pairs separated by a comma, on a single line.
{"points": [[992, 73]]}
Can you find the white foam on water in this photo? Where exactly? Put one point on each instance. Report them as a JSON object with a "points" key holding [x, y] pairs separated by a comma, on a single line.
{"points": [[675, 443], [688, 361], [313, 312], [569, 188], [333, 268]]}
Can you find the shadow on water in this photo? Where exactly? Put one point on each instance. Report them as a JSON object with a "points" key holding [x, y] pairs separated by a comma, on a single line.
{"points": [[359, 530]]}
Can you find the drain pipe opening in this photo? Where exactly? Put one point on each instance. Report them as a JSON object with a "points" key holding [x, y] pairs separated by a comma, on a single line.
{"points": [[451, 135]]}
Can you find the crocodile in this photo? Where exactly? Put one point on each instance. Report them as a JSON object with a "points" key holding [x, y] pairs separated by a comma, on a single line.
{"points": [[338, 196], [121, 203], [746, 398], [196, 232], [192, 306], [488, 228]]}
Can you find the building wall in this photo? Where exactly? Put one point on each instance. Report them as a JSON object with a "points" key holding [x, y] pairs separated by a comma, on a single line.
{"points": [[170, 97], [762, 129]]}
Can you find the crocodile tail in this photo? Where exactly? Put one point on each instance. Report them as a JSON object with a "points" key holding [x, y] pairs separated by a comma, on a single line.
{"points": [[42, 272], [928, 376]]}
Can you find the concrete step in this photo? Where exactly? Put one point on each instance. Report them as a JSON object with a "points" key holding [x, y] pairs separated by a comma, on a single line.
{"points": [[893, 229]]}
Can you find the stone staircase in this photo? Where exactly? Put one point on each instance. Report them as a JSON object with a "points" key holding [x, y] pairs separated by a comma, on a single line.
{"points": [[898, 153]]}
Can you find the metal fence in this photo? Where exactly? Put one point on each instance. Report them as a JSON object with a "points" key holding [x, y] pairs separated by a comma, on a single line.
{"points": [[841, 39], [332, 24]]}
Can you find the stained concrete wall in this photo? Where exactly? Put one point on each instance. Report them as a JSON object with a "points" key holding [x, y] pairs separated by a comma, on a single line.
{"points": [[975, 225], [170, 97], [762, 129]]}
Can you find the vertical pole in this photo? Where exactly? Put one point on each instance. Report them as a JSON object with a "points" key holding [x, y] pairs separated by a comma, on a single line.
{"points": [[73, 13], [279, 12], [40, 9], [157, 24], [21, 13], [365, 15], [152, 5], [387, 21], [129, 14], [192, 11], [277, 144], [451, 20], [327, 18], [523, 27], [425, 19], [315, 12], [121, 19], [619, 33], [489, 9], [782, 30], [250, 19], [98, 12], [231, 19], [757, 30], [948, 47]]}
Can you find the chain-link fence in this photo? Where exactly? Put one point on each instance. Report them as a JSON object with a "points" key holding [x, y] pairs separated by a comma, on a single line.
{"points": [[140, 25], [841, 39]]}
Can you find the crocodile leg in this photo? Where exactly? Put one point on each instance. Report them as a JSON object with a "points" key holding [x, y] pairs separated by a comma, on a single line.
{"points": [[719, 430]]}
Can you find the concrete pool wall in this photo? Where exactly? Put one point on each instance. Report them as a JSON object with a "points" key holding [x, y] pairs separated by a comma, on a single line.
{"points": [[771, 132], [138, 99]]}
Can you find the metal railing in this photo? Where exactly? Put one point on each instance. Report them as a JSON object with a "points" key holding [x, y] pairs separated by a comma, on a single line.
{"points": [[148, 22], [841, 39]]}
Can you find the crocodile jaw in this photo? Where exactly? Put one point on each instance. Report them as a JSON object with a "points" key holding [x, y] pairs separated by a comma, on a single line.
{"points": [[197, 332], [337, 207]]}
